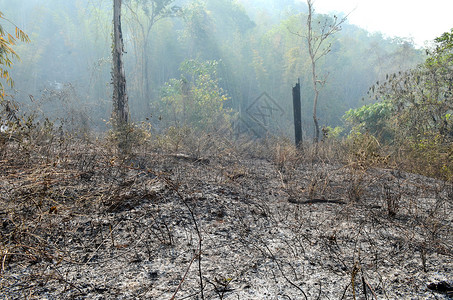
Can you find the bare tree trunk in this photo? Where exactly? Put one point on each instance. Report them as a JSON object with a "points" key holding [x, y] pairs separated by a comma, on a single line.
{"points": [[312, 52], [120, 111], [318, 47], [315, 104], [147, 81]]}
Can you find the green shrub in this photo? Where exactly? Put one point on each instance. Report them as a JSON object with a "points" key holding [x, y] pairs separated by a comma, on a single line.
{"points": [[196, 99], [373, 118]]}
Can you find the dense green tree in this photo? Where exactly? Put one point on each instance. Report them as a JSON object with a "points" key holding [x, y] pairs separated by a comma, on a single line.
{"points": [[196, 100], [198, 33], [374, 119], [422, 97]]}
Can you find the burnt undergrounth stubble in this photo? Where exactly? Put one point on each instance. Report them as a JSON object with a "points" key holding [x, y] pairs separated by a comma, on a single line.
{"points": [[81, 223]]}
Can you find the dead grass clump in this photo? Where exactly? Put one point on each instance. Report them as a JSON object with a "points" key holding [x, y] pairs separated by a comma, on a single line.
{"points": [[356, 186], [363, 151], [198, 144], [286, 155], [392, 200], [129, 138], [429, 156]]}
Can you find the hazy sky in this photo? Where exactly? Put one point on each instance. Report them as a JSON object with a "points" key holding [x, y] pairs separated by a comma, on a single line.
{"points": [[421, 20]]}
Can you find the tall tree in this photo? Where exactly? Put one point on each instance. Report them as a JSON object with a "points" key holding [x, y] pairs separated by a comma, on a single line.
{"points": [[145, 14], [317, 36], [120, 100], [317, 48]]}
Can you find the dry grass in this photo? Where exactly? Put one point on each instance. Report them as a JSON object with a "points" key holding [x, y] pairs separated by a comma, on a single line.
{"points": [[67, 203]]}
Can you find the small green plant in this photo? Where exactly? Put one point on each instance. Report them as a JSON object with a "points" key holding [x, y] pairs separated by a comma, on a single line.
{"points": [[221, 286], [329, 133]]}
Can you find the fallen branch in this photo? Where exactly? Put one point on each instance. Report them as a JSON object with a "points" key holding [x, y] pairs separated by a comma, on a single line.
{"points": [[185, 274], [315, 201]]}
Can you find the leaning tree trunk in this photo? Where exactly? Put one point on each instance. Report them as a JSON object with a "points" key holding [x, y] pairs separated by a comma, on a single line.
{"points": [[120, 112]]}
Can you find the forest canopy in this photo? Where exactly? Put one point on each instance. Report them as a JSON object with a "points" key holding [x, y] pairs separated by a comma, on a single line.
{"points": [[251, 43]]}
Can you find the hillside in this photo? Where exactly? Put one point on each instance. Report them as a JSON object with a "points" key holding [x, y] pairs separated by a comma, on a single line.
{"points": [[78, 222]]}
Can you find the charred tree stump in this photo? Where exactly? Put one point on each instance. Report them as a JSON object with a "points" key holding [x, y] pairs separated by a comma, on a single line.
{"points": [[297, 115]]}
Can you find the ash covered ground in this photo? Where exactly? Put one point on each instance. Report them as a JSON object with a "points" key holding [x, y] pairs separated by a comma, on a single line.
{"points": [[168, 226]]}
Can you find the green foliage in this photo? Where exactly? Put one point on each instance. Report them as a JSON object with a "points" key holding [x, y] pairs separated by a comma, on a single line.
{"points": [[152, 10], [7, 53], [414, 112], [330, 133], [373, 118], [198, 34], [257, 50], [196, 99], [443, 50], [422, 98]]}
